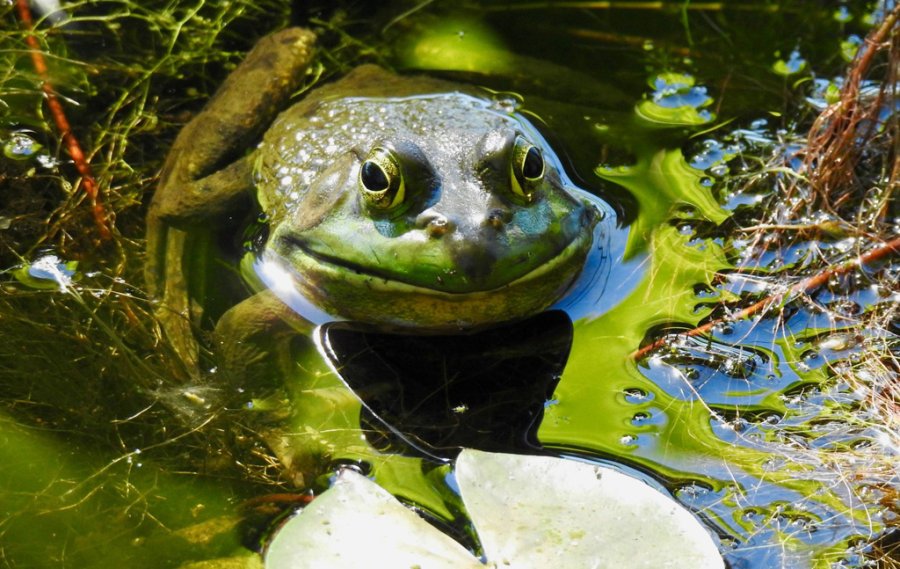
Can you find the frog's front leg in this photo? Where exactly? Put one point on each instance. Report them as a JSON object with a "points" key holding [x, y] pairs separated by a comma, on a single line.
{"points": [[208, 172], [262, 344], [252, 340]]}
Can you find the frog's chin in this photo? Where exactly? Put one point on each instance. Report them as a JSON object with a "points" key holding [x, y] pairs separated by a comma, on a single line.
{"points": [[320, 291]]}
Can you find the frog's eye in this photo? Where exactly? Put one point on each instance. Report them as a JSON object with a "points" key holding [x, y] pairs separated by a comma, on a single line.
{"points": [[527, 168], [381, 181]]}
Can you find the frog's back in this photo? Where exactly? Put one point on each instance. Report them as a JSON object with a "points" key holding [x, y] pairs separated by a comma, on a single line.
{"points": [[373, 81]]}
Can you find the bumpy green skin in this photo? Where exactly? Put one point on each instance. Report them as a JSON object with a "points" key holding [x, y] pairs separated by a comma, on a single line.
{"points": [[462, 250], [206, 174], [496, 256]]}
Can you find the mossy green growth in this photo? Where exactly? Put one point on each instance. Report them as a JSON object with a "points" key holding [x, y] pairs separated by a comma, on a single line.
{"points": [[676, 101], [592, 411], [661, 180]]}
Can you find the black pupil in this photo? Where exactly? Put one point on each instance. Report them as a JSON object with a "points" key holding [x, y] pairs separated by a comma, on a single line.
{"points": [[533, 165], [373, 177]]}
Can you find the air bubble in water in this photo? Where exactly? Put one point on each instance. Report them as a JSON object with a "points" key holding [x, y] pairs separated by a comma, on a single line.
{"points": [[636, 395], [20, 146]]}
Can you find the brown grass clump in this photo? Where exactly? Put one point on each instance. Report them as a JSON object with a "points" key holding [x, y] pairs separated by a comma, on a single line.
{"points": [[840, 140]]}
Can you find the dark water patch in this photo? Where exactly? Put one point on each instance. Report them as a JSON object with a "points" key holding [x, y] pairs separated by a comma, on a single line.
{"points": [[485, 390]]}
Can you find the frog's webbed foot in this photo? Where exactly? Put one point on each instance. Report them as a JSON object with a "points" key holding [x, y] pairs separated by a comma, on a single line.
{"points": [[208, 173]]}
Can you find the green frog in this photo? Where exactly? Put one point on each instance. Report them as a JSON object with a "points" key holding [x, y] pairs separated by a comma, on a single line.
{"points": [[401, 202]]}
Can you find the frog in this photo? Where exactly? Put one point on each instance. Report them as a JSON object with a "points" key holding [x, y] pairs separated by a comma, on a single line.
{"points": [[402, 202]]}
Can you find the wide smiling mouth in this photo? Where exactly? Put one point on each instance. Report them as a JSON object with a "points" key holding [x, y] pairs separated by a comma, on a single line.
{"points": [[297, 244], [302, 254]]}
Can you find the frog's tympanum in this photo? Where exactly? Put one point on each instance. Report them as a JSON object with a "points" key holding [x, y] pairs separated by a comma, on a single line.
{"points": [[402, 202]]}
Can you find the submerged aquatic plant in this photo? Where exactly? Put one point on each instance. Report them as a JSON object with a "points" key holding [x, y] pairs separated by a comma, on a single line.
{"points": [[62, 123], [812, 297]]}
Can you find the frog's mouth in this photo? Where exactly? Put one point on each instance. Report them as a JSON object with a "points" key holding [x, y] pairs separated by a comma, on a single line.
{"points": [[301, 247], [475, 271], [321, 287]]}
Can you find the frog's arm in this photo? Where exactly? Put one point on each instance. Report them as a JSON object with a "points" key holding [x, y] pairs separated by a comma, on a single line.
{"points": [[208, 172], [252, 339]]}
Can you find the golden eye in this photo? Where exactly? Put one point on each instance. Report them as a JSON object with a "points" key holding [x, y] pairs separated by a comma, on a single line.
{"points": [[527, 168], [381, 180]]}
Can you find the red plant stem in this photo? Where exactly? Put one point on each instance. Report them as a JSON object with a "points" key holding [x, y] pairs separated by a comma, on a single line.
{"points": [[62, 123], [277, 499], [805, 285]]}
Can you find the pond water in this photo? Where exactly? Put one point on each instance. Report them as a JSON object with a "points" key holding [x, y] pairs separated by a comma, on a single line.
{"points": [[765, 428]]}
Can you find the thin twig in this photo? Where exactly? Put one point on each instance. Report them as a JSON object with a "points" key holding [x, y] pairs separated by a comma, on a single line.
{"points": [[805, 285], [283, 499], [62, 123]]}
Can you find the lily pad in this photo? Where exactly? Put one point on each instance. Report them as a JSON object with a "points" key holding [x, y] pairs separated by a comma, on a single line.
{"points": [[356, 523], [527, 511]]}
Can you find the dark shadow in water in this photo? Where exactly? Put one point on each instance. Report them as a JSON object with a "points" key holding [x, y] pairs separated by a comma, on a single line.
{"points": [[436, 394]]}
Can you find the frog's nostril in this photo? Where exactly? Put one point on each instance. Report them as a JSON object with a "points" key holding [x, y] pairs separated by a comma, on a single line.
{"points": [[437, 226], [497, 218], [434, 224]]}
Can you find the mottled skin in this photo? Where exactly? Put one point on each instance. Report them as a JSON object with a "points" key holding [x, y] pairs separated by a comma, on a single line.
{"points": [[399, 202], [205, 176]]}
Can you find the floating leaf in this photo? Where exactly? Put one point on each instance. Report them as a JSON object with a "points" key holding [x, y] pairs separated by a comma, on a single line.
{"points": [[676, 101], [660, 180], [356, 523], [794, 64], [459, 44], [48, 272], [528, 511]]}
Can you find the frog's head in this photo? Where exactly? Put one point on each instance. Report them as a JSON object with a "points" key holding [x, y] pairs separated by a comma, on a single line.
{"points": [[446, 213]]}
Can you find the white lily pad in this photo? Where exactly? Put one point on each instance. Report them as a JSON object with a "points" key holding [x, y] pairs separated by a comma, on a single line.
{"points": [[528, 512], [356, 523], [540, 511]]}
